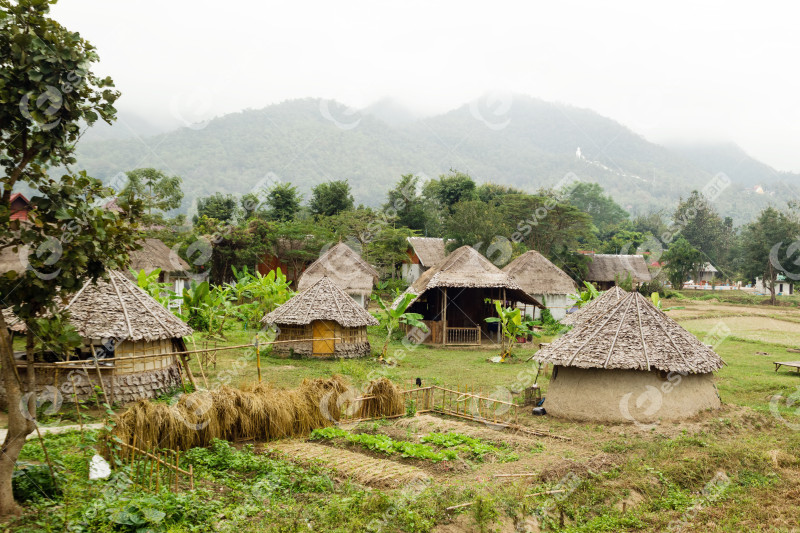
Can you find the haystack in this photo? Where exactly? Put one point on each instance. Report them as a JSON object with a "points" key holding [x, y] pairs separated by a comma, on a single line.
{"points": [[605, 269], [596, 307], [544, 281], [633, 364], [346, 269], [321, 321], [452, 296]]}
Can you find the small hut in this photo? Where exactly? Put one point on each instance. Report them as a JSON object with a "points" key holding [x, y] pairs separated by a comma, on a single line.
{"points": [[155, 254], [544, 281], [321, 321], [423, 253], [346, 269], [605, 270], [452, 298], [630, 364], [128, 330], [598, 306]]}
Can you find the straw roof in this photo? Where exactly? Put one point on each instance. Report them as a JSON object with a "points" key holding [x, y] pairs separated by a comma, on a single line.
{"points": [[537, 275], [118, 308], [324, 300], [13, 322], [605, 267], [155, 254], [632, 335], [344, 267], [467, 268], [598, 306], [429, 250]]}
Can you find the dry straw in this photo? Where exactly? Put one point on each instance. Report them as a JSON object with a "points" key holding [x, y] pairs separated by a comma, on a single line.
{"points": [[383, 399]]}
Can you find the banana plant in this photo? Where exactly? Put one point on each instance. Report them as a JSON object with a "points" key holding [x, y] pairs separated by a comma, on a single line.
{"points": [[149, 283], [512, 326], [585, 296], [391, 319], [656, 299]]}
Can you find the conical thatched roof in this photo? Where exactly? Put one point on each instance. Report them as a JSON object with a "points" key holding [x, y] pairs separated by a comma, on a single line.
{"points": [[537, 275], [632, 335], [324, 300], [344, 267], [465, 267], [118, 308], [607, 267], [429, 250], [598, 306], [155, 254]]}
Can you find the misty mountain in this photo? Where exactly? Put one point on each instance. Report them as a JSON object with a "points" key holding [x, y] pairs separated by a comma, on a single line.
{"points": [[524, 142]]}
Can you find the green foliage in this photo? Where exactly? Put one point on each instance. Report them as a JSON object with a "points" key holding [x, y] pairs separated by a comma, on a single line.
{"points": [[477, 449], [391, 318], [606, 214], [331, 198], [451, 189], [385, 444], [218, 206], [585, 296], [512, 326], [283, 201], [682, 260], [477, 224], [624, 282], [34, 482], [155, 189], [406, 204], [768, 246], [255, 295], [484, 513], [700, 224], [149, 283]]}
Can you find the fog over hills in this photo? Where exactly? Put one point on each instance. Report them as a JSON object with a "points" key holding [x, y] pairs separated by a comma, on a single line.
{"points": [[520, 141]]}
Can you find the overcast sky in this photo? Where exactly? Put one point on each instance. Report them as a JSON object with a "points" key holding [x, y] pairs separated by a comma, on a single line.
{"points": [[670, 71]]}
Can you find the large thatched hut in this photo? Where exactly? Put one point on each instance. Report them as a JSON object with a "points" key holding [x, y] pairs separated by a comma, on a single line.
{"points": [[346, 269], [452, 298], [128, 330], [155, 254], [598, 306], [543, 281], [632, 363], [606, 270], [321, 321]]}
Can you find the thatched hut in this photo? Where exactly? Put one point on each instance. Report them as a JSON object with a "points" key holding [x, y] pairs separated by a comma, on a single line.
{"points": [[155, 254], [543, 281], [321, 321], [423, 253], [346, 269], [632, 363], [452, 298], [128, 330], [605, 270], [598, 306]]}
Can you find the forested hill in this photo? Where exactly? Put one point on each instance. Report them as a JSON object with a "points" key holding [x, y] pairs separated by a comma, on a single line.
{"points": [[527, 143]]}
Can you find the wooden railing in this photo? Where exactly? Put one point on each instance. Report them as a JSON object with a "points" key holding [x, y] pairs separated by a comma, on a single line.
{"points": [[463, 336]]}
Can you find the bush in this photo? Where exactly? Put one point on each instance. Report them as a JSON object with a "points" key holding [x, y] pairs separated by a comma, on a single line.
{"points": [[33, 483]]}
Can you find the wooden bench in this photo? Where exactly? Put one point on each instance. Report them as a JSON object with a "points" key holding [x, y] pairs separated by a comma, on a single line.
{"points": [[793, 364]]}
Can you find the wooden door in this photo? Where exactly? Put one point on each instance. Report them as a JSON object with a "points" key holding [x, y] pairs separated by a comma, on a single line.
{"points": [[323, 329]]}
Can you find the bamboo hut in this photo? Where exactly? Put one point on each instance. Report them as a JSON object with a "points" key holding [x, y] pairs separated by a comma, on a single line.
{"points": [[346, 269], [544, 281], [452, 298], [321, 321], [155, 254], [128, 331], [598, 306], [630, 364], [423, 253], [606, 269]]}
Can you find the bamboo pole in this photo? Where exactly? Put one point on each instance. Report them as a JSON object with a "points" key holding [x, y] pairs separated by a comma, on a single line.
{"points": [[158, 478], [77, 405], [185, 361], [258, 360], [177, 469]]}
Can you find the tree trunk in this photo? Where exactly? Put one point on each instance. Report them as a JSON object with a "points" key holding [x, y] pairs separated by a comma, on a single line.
{"points": [[19, 427], [771, 272]]}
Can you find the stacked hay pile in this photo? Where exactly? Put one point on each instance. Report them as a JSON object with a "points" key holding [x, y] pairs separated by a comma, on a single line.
{"points": [[258, 412]]}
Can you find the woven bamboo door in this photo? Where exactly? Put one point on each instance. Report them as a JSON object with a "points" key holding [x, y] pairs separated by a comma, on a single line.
{"points": [[323, 332]]}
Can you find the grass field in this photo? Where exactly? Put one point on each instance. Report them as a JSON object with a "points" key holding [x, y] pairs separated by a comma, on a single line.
{"points": [[736, 469]]}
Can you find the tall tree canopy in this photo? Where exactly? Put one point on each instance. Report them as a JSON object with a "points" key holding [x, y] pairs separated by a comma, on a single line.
{"points": [[606, 214], [770, 246], [681, 260], [47, 93], [406, 204], [450, 189], [698, 222], [283, 202], [331, 198], [155, 189], [218, 206]]}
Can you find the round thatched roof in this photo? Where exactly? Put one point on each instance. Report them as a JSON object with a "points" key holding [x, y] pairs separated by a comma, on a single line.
{"points": [[467, 268], [607, 267], [324, 300], [155, 254], [117, 308], [598, 306], [344, 267], [632, 335], [537, 275]]}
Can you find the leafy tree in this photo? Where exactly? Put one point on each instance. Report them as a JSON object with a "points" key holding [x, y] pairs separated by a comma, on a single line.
{"points": [[331, 198], [512, 326], [297, 243], [406, 204], [155, 189], [700, 224], [283, 201], [388, 249], [583, 297], [770, 247], [682, 260], [605, 212], [492, 192], [450, 189], [480, 225], [391, 318], [218, 206], [47, 92], [249, 203], [238, 246], [623, 242]]}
